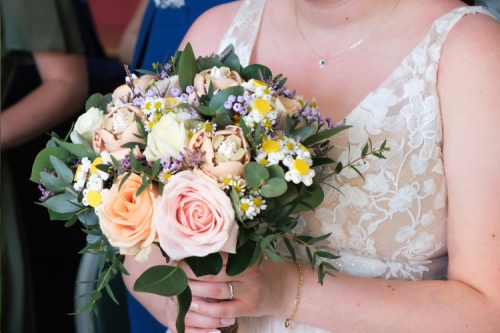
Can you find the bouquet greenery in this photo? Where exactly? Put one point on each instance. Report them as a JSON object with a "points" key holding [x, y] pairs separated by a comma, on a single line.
{"points": [[198, 157]]}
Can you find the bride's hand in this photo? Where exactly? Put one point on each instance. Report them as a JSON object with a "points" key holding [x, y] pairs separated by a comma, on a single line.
{"points": [[269, 289]]}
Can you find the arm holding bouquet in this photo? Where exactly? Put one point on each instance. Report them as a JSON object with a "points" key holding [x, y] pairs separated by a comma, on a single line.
{"points": [[469, 103]]}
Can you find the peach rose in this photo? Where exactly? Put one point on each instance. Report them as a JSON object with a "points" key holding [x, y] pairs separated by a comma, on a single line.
{"points": [[286, 106], [194, 218], [221, 78], [119, 127], [127, 220]]}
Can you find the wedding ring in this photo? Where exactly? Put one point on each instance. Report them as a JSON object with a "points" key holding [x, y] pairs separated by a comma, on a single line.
{"points": [[231, 291]]}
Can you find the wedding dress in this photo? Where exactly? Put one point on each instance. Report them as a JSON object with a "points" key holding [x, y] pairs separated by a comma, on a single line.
{"points": [[393, 224]]}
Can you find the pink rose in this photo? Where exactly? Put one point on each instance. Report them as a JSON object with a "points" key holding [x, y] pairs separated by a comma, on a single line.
{"points": [[221, 78], [194, 218], [119, 127], [226, 152], [127, 220]]}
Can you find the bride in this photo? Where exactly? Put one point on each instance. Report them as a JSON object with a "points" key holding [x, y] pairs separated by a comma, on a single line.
{"points": [[419, 238]]}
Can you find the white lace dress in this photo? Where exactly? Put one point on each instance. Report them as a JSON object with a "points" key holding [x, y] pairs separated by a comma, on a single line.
{"points": [[393, 224]]}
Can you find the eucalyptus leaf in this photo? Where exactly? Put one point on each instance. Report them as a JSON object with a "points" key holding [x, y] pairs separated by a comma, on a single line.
{"points": [[93, 101], [208, 63], [104, 101], [255, 174], [320, 161], [218, 100], [303, 132], [275, 171], [273, 187], [314, 200], [53, 183], [88, 217], [222, 120], [205, 110], [42, 160], [162, 280], [62, 203], [62, 170], [252, 72], [273, 256], [325, 254], [145, 71], [56, 216]]}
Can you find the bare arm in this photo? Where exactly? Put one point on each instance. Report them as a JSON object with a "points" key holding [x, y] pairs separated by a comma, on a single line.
{"points": [[129, 38], [61, 94]]}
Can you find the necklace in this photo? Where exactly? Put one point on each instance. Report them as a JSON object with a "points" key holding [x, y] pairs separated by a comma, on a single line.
{"points": [[322, 61]]}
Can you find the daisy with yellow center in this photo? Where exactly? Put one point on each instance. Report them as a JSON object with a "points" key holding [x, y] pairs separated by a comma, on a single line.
{"points": [[208, 127], [81, 173], [164, 176], [247, 208], [272, 151], [93, 194], [259, 203], [298, 170]]}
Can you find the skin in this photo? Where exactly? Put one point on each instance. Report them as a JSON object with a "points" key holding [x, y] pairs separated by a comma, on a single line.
{"points": [[60, 96], [468, 85]]}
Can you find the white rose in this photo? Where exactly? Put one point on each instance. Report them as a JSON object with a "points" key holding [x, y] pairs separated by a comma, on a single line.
{"points": [[86, 124], [169, 135]]}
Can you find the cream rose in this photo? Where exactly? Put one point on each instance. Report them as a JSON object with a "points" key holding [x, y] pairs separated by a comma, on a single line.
{"points": [[221, 78], [169, 135], [127, 220], [86, 124], [194, 218], [119, 127], [225, 151]]}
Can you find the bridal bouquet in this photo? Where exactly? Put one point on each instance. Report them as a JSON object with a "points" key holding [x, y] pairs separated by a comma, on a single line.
{"points": [[198, 157]]}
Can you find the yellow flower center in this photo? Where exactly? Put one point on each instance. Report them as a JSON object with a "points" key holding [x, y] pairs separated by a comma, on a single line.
{"points": [[267, 123], [94, 198], [77, 172], [171, 100], [270, 146], [208, 127], [93, 168], [226, 181], [290, 145], [166, 176], [157, 105], [264, 162], [257, 202], [244, 207], [262, 106], [258, 83], [148, 105], [301, 167], [280, 136], [266, 91], [237, 188]]}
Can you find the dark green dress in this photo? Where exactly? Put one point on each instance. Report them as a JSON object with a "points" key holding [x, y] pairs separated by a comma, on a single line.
{"points": [[26, 26]]}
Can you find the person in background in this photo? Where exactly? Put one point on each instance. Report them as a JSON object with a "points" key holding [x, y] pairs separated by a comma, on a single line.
{"points": [[51, 62], [419, 239]]}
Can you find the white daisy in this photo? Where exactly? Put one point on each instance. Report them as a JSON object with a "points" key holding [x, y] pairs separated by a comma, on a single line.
{"points": [[298, 170]]}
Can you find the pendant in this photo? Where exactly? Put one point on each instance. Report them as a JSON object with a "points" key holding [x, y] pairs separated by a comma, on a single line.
{"points": [[322, 63]]}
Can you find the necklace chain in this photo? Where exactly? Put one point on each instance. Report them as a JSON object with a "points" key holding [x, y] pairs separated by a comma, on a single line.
{"points": [[322, 61]]}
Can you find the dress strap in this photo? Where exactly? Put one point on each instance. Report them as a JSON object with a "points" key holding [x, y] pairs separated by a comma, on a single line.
{"points": [[244, 29]]}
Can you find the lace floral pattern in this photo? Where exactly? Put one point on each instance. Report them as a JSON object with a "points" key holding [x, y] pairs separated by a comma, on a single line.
{"points": [[393, 224]]}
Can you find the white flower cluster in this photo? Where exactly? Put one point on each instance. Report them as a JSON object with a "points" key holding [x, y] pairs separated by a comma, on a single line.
{"points": [[91, 180]]}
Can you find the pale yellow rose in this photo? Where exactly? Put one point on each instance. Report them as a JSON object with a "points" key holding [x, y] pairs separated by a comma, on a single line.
{"points": [[86, 124], [118, 128], [126, 219], [225, 151], [169, 135]]}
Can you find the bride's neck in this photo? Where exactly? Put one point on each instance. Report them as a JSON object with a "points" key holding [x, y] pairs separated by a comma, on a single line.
{"points": [[342, 14]]}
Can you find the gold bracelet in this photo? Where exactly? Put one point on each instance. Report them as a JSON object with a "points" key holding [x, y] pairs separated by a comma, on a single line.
{"points": [[297, 297]]}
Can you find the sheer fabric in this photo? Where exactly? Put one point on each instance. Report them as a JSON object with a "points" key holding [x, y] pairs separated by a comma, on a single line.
{"points": [[393, 224]]}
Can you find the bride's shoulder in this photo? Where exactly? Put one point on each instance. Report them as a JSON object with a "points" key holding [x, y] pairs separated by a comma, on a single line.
{"points": [[207, 31]]}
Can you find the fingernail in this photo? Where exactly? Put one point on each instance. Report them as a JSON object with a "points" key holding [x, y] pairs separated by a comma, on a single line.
{"points": [[194, 306], [227, 321], [215, 331]]}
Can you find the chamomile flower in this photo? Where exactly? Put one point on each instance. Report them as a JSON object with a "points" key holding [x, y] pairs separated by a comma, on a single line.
{"points": [[298, 170], [153, 104], [259, 203], [273, 150], [226, 182], [95, 171], [81, 173], [93, 194], [164, 176], [239, 184], [247, 208], [208, 127]]}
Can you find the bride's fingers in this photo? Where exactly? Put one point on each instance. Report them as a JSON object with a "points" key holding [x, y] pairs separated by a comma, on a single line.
{"points": [[213, 290]]}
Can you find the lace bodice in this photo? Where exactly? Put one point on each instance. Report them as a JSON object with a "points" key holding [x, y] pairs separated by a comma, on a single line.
{"points": [[393, 224]]}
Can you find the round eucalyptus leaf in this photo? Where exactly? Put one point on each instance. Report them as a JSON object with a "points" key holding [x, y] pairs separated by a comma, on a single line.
{"points": [[255, 174], [274, 187]]}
